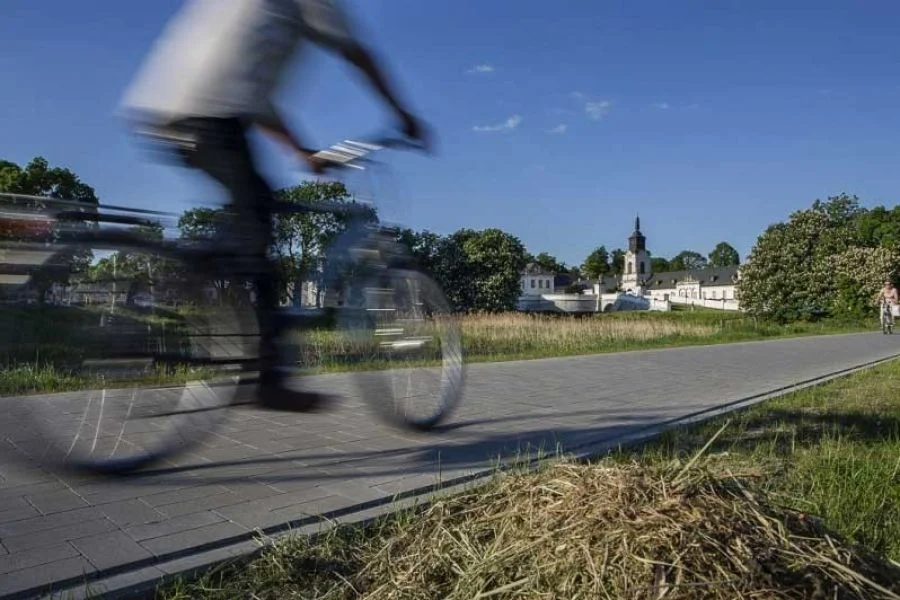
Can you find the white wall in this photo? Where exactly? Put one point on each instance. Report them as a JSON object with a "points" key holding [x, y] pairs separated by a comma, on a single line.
{"points": [[535, 285]]}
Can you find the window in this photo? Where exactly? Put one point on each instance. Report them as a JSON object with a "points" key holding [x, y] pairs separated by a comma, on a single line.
{"points": [[642, 267], [532, 284], [541, 283], [629, 269]]}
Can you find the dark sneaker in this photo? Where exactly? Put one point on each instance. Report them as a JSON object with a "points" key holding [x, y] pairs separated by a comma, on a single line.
{"points": [[278, 397]]}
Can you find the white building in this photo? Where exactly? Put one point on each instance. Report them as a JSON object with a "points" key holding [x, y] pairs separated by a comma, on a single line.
{"points": [[537, 281], [637, 286]]}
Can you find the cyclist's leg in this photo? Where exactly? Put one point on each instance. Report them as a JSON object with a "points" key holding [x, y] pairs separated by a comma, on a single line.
{"points": [[222, 151]]}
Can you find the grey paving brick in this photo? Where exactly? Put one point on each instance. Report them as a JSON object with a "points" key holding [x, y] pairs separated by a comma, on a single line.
{"points": [[19, 491], [167, 526], [34, 558], [36, 524], [54, 502], [183, 494], [16, 509], [194, 537], [116, 586], [43, 575], [208, 558], [50, 537], [129, 513], [110, 549]]}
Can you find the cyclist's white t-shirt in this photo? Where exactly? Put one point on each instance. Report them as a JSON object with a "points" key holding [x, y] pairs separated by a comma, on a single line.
{"points": [[225, 58]]}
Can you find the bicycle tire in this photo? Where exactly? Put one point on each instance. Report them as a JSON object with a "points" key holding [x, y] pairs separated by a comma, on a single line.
{"points": [[398, 315], [172, 358]]}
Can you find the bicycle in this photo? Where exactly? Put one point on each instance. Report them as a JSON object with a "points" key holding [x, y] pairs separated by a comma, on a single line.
{"points": [[887, 318], [171, 334]]}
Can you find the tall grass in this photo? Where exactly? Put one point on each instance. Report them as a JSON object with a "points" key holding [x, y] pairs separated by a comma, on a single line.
{"points": [[39, 345]]}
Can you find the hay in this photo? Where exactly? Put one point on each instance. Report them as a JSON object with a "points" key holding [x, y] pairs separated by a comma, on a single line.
{"points": [[609, 531], [623, 532]]}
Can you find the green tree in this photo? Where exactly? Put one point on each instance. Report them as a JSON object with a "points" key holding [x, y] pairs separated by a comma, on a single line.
{"points": [[200, 223], [659, 265], [790, 272], [138, 270], [302, 239], [878, 227], [422, 245], [687, 260], [39, 179], [548, 263], [617, 261], [724, 255], [481, 270], [597, 263]]}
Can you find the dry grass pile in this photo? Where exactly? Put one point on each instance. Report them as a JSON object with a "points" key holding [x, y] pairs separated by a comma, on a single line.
{"points": [[574, 531]]}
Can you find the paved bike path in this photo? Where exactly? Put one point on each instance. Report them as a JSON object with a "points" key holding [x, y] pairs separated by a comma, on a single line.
{"points": [[263, 469]]}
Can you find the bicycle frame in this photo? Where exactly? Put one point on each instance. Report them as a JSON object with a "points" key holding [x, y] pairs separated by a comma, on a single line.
{"points": [[361, 244]]}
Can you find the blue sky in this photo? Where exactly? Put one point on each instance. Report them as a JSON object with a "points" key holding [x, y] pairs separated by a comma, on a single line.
{"points": [[711, 119]]}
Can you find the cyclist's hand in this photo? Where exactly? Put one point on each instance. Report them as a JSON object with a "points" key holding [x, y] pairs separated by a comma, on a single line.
{"points": [[314, 164], [417, 130]]}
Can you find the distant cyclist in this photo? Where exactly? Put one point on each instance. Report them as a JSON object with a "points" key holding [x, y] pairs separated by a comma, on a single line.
{"points": [[889, 295], [210, 78]]}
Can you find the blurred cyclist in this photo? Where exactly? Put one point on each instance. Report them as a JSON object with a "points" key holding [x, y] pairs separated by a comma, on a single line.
{"points": [[209, 79]]}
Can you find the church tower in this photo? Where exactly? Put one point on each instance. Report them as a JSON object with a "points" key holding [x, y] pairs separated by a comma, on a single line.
{"points": [[637, 262]]}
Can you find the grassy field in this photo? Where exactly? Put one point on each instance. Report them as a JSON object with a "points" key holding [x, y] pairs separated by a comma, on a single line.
{"points": [[795, 498], [41, 344]]}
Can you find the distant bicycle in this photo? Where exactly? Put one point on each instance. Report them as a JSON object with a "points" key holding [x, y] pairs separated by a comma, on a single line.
{"points": [[888, 313], [165, 336]]}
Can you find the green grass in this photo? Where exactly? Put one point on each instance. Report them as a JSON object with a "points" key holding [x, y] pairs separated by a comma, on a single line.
{"points": [[796, 498], [831, 451]]}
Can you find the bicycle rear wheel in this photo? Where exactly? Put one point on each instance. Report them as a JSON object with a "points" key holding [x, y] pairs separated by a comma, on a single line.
{"points": [[407, 344], [128, 360]]}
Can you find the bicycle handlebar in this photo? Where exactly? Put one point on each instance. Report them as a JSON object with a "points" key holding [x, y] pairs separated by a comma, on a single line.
{"points": [[349, 153]]}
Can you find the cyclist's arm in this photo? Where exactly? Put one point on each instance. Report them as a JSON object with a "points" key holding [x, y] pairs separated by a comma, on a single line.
{"points": [[272, 124], [326, 24]]}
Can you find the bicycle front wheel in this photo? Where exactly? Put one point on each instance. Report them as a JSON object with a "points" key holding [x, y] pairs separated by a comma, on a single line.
{"points": [[127, 360], [407, 346]]}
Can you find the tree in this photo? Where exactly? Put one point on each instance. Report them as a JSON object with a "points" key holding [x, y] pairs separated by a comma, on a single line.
{"points": [[597, 263], [878, 227], [724, 255], [659, 265], [200, 223], [617, 262], [480, 270], [136, 269], [791, 273], [548, 263], [422, 245], [301, 240], [687, 260], [37, 178]]}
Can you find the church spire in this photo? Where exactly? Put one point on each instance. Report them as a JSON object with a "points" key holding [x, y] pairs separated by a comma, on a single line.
{"points": [[637, 222]]}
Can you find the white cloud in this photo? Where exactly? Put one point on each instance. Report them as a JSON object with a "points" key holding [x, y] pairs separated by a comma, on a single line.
{"points": [[662, 105], [561, 128], [597, 110], [578, 95], [481, 69], [508, 125]]}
